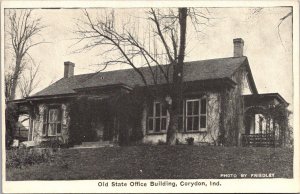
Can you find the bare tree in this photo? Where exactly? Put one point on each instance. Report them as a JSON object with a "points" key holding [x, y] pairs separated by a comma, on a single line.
{"points": [[8, 78], [282, 19], [29, 81], [257, 11], [22, 31], [163, 42]]}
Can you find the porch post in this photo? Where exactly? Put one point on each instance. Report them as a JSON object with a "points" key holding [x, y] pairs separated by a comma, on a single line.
{"points": [[31, 123]]}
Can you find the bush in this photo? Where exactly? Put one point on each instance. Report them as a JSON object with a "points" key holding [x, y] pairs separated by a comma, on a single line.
{"points": [[19, 158], [54, 144], [85, 111], [190, 140], [11, 118], [81, 120]]}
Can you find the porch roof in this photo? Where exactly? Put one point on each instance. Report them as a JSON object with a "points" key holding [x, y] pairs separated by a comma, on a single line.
{"points": [[264, 98], [194, 71], [22, 105]]}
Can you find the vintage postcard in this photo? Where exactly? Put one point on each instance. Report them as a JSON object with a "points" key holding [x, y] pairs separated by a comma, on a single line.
{"points": [[150, 96]]}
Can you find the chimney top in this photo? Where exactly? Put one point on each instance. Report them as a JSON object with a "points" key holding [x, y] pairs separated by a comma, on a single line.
{"points": [[69, 69], [239, 40], [238, 47]]}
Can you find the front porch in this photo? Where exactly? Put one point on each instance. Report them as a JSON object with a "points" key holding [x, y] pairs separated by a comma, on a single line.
{"points": [[265, 121]]}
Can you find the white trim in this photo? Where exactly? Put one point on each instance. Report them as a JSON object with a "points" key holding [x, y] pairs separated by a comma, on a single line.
{"points": [[160, 117], [184, 116], [47, 123], [193, 116]]}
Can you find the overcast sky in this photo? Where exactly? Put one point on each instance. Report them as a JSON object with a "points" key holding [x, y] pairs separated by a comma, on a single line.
{"points": [[270, 59]]}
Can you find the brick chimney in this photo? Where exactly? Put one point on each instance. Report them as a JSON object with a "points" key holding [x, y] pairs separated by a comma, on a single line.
{"points": [[69, 69], [238, 47]]}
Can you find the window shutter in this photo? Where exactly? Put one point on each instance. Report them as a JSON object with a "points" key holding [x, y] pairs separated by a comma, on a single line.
{"points": [[59, 122], [59, 115], [45, 121]]}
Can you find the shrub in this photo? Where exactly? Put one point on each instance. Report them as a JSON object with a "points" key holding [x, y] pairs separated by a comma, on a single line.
{"points": [[54, 144], [81, 120], [19, 158], [85, 111], [190, 140]]}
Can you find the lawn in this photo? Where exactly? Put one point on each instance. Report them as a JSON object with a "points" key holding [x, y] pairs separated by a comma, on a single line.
{"points": [[158, 162]]}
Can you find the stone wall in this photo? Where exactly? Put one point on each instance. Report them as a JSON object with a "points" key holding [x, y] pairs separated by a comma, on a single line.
{"points": [[245, 83], [232, 111], [207, 137], [38, 122], [65, 122]]}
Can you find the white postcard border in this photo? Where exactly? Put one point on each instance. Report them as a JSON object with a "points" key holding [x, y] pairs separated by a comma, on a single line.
{"points": [[228, 185]]}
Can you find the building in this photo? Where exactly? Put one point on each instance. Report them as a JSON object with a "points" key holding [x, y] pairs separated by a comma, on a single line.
{"points": [[218, 94]]}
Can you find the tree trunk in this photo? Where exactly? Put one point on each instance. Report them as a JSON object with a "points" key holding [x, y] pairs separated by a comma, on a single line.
{"points": [[177, 81], [172, 129], [15, 78]]}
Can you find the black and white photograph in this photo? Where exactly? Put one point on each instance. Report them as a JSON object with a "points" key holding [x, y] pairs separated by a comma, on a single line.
{"points": [[145, 96]]}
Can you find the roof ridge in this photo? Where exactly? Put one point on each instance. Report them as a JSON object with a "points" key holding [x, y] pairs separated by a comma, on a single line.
{"points": [[215, 59], [129, 69]]}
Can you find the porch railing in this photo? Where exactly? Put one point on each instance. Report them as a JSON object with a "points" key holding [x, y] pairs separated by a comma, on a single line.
{"points": [[259, 140]]}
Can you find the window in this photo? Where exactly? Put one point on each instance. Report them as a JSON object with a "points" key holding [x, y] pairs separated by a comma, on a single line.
{"points": [[52, 122], [195, 114], [192, 116], [157, 120]]}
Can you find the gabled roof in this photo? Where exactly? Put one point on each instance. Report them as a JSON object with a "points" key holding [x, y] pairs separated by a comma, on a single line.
{"points": [[64, 85], [193, 71]]}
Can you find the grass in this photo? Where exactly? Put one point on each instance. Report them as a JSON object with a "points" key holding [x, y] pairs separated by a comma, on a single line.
{"points": [[158, 162]]}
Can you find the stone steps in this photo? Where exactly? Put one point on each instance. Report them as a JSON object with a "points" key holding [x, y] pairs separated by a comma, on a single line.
{"points": [[96, 144]]}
